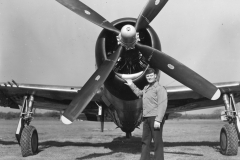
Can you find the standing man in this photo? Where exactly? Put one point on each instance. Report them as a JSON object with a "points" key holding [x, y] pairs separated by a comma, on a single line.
{"points": [[154, 98]]}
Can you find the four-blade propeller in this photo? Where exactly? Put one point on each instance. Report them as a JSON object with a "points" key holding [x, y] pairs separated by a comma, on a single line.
{"points": [[155, 58]]}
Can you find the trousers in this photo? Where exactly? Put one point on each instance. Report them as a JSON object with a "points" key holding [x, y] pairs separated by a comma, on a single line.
{"points": [[148, 134]]}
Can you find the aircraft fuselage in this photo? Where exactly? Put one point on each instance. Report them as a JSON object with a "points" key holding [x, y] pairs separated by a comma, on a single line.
{"points": [[124, 106]]}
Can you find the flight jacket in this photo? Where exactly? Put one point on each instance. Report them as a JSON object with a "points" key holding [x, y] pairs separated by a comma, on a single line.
{"points": [[154, 100]]}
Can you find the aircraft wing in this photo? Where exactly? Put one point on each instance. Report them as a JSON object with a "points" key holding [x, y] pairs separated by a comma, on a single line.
{"points": [[50, 97], [45, 96], [182, 98]]}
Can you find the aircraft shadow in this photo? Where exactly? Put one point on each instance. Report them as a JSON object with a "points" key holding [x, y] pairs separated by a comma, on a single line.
{"points": [[120, 144], [202, 143], [8, 142], [123, 145]]}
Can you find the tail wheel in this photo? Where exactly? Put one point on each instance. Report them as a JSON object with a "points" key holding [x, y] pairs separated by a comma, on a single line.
{"points": [[29, 141], [229, 140]]}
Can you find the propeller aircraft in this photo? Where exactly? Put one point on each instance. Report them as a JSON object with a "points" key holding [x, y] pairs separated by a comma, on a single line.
{"points": [[125, 48]]}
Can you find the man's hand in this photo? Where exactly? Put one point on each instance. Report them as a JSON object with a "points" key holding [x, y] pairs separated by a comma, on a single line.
{"points": [[129, 82], [157, 125]]}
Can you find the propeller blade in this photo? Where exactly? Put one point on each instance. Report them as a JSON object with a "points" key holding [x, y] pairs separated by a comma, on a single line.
{"points": [[87, 92], [179, 71], [150, 11], [87, 13]]}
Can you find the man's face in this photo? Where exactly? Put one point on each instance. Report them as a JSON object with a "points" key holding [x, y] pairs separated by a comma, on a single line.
{"points": [[151, 77]]}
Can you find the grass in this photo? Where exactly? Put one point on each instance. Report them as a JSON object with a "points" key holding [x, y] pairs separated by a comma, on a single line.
{"points": [[183, 140]]}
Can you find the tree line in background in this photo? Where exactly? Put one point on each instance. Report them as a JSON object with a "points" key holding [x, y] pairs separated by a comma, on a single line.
{"points": [[14, 115]]}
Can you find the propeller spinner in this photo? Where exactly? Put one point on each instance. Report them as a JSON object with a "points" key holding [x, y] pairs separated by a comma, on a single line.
{"points": [[128, 37]]}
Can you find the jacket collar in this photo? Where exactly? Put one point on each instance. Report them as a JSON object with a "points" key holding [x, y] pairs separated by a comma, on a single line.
{"points": [[152, 86]]}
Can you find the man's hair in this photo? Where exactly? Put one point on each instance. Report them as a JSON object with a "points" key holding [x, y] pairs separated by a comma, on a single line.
{"points": [[150, 70]]}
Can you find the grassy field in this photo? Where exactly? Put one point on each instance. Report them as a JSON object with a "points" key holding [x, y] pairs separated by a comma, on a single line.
{"points": [[183, 140]]}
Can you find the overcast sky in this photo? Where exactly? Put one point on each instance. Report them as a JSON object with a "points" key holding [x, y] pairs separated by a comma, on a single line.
{"points": [[42, 42]]}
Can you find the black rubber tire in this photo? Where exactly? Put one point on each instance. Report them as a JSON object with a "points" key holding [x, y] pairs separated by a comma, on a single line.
{"points": [[229, 140], [29, 141]]}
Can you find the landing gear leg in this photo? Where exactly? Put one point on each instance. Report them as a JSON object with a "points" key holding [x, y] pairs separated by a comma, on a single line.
{"points": [[229, 135], [128, 134], [101, 114], [27, 135]]}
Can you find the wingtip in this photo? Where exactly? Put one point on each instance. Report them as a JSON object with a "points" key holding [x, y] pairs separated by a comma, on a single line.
{"points": [[65, 120], [216, 95]]}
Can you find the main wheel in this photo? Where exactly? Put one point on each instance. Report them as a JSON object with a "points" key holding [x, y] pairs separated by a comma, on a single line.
{"points": [[29, 141], [229, 140]]}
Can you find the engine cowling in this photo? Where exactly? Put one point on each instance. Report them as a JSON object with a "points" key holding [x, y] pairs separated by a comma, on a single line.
{"points": [[130, 63]]}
